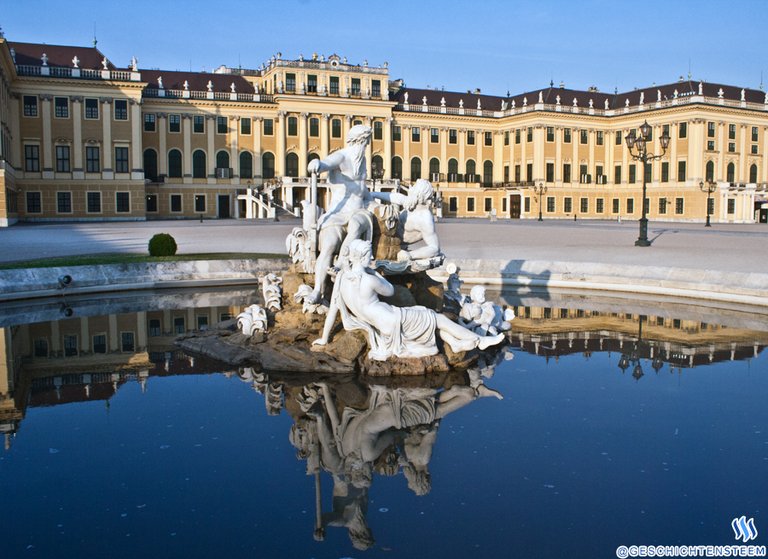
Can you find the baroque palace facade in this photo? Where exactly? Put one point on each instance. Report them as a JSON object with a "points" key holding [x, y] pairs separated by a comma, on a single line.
{"points": [[83, 139]]}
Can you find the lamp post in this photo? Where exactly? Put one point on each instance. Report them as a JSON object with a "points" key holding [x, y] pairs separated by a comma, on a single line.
{"points": [[638, 150], [709, 188], [540, 190], [376, 174]]}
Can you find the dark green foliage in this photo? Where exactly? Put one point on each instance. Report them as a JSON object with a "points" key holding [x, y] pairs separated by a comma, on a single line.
{"points": [[162, 244]]}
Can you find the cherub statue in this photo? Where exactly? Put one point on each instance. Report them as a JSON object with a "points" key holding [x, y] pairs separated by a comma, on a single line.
{"points": [[484, 317], [392, 331]]}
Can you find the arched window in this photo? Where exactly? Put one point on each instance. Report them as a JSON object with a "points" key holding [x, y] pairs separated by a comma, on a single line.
{"points": [[198, 164], [292, 165], [150, 165], [434, 169], [377, 165], [222, 160], [730, 174], [710, 171], [471, 176], [753, 173], [268, 166], [453, 170], [397, 168], [415, 168], [246, 165], [174, 163], [488, 173]]}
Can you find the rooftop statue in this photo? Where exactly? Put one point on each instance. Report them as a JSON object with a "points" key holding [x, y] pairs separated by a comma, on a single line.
{"points": [[391, 331]]}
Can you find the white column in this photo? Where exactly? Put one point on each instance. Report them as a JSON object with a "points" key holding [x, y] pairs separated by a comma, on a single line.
{"points": [[162, 131], [498, 156], [280, 145], [49, 164], [106, 155], [303, 144], [234, 146], [558, 155], [186, 125], [324, 135], [257, 129], [210, 125], [137, 161], [77, 139], [387, 148]]}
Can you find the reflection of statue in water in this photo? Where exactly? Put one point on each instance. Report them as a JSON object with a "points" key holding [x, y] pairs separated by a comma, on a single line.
{"points": [[403, 332], [346, 218]]}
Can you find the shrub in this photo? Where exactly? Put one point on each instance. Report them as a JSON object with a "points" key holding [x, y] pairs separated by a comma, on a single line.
{"points": [[162, 244]]}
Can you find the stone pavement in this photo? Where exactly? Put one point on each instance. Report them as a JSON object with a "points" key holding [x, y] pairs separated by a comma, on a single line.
{"points": [[727, 248]]}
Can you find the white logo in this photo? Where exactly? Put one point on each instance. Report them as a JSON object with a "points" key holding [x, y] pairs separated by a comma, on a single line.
{"points": [[744, 529]]}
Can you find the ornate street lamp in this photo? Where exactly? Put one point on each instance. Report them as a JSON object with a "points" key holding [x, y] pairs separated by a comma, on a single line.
{"points": [[638, 150], [540, 190], [376, 174], [709, 188]]}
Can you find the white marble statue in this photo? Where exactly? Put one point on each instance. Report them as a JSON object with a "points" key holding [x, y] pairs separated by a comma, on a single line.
{"points": [[391, 331], [416, 221], [253, 319], [346, 218], [105, 63], [484, 317], [209, 86], [452, 296], [302, 296], [271, 287], [75, 62], [160, 82]]}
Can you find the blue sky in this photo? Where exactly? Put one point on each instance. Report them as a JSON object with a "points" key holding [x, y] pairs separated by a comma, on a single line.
{"points": [[494, 45]]}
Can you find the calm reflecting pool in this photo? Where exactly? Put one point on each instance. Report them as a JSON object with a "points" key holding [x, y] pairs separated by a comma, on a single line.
{"points": [[622, 423]]}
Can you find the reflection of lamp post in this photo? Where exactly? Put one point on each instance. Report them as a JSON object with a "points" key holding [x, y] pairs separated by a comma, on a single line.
{"points": [[640, 153], [540, 190], [376, 174], [709, 188], [633, 357]]}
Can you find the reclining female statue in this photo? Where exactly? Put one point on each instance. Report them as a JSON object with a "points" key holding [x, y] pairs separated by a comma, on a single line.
{"points": [[402, 332]]}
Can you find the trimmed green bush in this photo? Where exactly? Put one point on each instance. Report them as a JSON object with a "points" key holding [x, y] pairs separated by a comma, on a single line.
{"points": [[162, 244]]}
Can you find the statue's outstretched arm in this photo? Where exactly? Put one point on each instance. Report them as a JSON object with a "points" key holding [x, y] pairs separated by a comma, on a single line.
{"points": [[331, 162]]}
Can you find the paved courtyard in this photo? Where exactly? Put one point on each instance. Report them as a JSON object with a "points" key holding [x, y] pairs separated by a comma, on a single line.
{"points": [[741, 248]]}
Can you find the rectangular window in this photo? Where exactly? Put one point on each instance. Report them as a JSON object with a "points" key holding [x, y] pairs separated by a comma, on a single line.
{"points": [[471, 137], [121, 159], [62, 159], [488, 204], [151, 204], [376, 88], [682, 130], [731, 206], [630, 205], [632, 173], [311, 83], [202, 322], [222, 125], [198, 124], [527, 204], [245, 126], [174, 123], [648, 172], [471, 204], [176, 203], [92, 109], [154, 327], [617, 174], [99, 343], [599, 205], [679, 206], [662, 206], [753, 149], [434, 135], [681, 171], [550, 172], [92, 159], [70, 345], [506, 137], [269, 127], [293, 126], [710, 130], [64, 202], [34, 203], [397, 133], [599, 138], [356, 86], [334, 85], [754, 133], [618, 138], [615, 205], [584, 205], [710, 145], [529, 134], [30, 105], [566, 172], [453, 136], [529, 172], [665, 171], [122, 202], [336, 128], [453, 204], [584, 177], [314, 127], [149, 122], [378, 130], [567, 204], [518, 178], [121, 109], [550, 204], [732, 147], [550, 133], [93, 202], [127, 344], [488, 138], [41, 347], [61, 107], [199, 202], [567, 135], [32, 158], [290, 82], [517, 136], [731, 131], [415, 134], [583, 137]]}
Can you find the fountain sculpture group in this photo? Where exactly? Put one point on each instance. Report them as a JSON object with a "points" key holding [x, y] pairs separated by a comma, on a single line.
{"points": [[366, 257]]}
